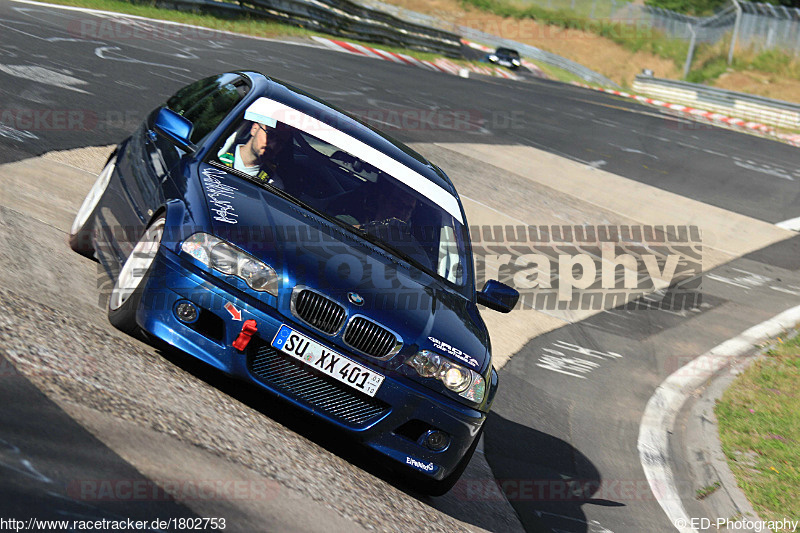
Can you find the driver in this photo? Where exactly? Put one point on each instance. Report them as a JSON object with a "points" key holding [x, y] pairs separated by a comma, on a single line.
{"points": [[258, 156]]}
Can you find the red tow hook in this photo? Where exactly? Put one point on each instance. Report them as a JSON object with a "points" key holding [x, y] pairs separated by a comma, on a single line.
{"points": [[248, 329]]}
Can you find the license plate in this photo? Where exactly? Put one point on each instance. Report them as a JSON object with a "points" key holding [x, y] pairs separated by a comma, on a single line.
{"points": [[334, 364]]}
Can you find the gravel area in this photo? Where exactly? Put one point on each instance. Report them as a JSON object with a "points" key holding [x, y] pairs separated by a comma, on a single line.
{"points": [[92, 158]]}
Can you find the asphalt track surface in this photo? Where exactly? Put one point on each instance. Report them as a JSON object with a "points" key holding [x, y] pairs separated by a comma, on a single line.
{"points": [[547, 426], [116, 81]]}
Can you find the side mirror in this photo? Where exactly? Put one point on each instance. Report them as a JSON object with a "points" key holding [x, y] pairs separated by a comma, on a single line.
{"points": [[175, 128], [498, 296]]}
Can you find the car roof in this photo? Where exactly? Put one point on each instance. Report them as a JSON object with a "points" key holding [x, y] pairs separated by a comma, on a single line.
{"points": [[309, 104]]}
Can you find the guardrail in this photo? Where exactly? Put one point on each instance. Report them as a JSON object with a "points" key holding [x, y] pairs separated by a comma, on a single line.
{"points": [[337, 17], [746, 106]]}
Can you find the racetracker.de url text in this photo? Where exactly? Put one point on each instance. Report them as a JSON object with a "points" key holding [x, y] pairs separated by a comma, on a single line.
{"points": [[169, 524]]}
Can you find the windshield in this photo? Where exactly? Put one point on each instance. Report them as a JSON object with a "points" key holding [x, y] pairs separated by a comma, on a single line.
{"points": [[507, 52], [351, 186]]}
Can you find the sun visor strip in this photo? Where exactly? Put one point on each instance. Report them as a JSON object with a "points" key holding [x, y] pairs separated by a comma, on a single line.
{"points": [[267, 111]]}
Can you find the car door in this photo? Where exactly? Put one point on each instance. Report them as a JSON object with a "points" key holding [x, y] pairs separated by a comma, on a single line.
{"points": [[146, 161], [205, 104], [150, 157]]}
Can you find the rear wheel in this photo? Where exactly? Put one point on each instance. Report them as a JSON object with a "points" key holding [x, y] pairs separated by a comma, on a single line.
{"points": [[80, 234], [127, 292]]}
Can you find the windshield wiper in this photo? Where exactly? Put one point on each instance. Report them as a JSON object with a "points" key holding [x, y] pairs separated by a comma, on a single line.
{"points": [[380, 243]]}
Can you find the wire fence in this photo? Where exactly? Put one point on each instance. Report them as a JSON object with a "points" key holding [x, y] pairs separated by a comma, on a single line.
{"points": [[762, 26], [677, 26], [766, 26]]}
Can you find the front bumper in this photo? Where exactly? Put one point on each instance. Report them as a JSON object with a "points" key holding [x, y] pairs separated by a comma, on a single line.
{"points": [[388, 423]]}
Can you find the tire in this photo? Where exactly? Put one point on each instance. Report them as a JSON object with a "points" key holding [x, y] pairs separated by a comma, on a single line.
{"points": [[126, 295], [440, 487], [80, 234]]}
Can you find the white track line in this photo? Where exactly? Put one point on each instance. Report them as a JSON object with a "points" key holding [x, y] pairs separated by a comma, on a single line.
{"points": [[792, 224], [659, 416]]}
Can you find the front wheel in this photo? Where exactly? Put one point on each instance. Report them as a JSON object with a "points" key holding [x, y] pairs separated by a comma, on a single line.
{"points": [[127, 292]]}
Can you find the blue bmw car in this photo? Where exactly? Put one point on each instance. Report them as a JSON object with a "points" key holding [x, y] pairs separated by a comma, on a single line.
{"points": [[280, 240]]}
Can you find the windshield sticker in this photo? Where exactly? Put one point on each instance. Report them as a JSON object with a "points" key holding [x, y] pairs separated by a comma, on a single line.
{"points": [[217, 193], [455, 352]]}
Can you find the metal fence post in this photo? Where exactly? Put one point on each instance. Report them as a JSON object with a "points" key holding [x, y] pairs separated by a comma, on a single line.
{"points": [[747, 29], [689, 55], [797, 41], [786, 25], [735, 30]]}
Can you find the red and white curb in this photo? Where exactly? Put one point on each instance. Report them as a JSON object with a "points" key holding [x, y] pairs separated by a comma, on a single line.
{"points": [[790, 138], [440, 65]]}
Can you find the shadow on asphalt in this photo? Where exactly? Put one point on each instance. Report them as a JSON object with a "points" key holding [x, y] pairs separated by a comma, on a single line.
{"points": [[545, 479], [52, 468]]}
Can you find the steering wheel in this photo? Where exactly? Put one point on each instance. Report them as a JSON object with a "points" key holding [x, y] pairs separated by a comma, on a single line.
{"points": [[388, 223]]}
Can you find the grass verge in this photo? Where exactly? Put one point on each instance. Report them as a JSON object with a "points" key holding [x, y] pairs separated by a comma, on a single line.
{"points": [[248, 26], [759, 425], [558, 74]]}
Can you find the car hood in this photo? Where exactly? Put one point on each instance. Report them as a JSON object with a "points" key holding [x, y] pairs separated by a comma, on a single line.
{"points": [[309, 251]]}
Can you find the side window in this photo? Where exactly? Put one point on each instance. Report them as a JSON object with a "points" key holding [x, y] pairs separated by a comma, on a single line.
{"points": [[206, 102]]}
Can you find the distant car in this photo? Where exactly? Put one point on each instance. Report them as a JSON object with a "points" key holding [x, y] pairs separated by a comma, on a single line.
{"points": [[506, 57], [280, 240]]}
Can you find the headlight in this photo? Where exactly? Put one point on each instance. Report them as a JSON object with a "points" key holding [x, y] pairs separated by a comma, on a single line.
{"points": [[515, 62], [467, 383], [224, 257], [426, 363], [492, 57], [455, 378], [259, 276]]}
